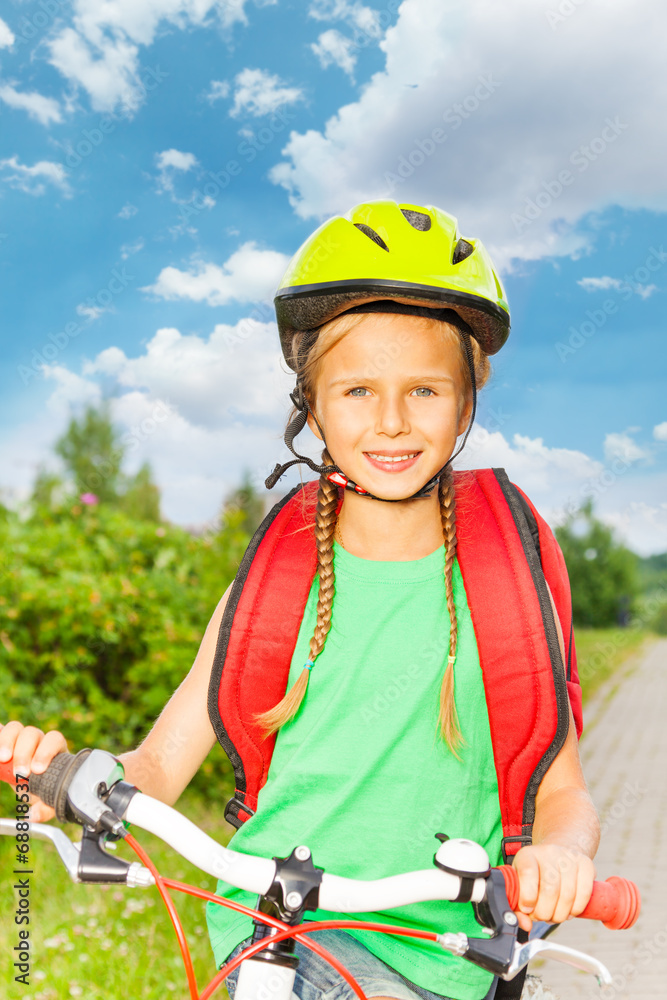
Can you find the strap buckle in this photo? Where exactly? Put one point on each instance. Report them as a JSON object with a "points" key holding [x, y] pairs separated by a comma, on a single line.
{"points": [[525, 839], [232, 809]]}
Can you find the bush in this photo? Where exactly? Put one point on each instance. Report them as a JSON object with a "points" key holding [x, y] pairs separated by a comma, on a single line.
{"points": [[101, 616]]}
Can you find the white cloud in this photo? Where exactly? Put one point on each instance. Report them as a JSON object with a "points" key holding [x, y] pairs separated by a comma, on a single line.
{"points": [[660, 431], [100, 53], [601, 284], [617, 284], [176, 159], [6, 35], [258, 92], [499, 147], [645, 291], [356, 14], [332, 48], [29, 179], [210, 382], [218, 90], [90, 313], [549, 473], [622, 446], [107, 68], [128, 249], [640, 523], [43, 109], [72, 390], [248, 275], [169, 161], [127, 211]]}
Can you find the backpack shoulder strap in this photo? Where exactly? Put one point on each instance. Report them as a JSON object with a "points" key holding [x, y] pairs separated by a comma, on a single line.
{"points": [[257, 637], [555, 572], [524, 677]]}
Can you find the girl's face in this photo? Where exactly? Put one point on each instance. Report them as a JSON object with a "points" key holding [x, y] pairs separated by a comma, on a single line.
{"points": [[393, 386]]}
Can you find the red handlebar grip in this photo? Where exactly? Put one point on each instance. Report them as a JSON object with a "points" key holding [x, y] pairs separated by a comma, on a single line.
{"points": [[6, 773], [616, 902]]}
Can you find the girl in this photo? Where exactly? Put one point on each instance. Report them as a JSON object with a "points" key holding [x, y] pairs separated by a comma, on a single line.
{"points": [[387, 372]]}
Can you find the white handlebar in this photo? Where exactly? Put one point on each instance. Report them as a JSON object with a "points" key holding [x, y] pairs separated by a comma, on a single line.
{"points": [[245, 871]]}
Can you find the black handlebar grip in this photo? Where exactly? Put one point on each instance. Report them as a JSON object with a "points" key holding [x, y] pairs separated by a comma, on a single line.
{"points": [[52, 785]]}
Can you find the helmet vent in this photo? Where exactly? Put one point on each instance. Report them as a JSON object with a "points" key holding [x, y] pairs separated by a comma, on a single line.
{"points": [[462, 250], [418, 220], [372, 235]]}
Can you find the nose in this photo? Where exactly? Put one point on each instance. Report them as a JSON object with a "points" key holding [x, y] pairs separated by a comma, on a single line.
{"points": [[392, 415]]}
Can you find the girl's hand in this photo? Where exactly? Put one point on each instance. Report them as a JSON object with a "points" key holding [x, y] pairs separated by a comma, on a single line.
{"points": [[30, 752], [555, 883]]}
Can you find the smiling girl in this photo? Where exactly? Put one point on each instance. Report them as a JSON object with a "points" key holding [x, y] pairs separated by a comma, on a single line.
{"points": [[387, 317]]}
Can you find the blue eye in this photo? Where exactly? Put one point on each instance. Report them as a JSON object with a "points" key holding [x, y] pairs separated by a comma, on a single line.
{"points": [[427, 390], [355, 389]]}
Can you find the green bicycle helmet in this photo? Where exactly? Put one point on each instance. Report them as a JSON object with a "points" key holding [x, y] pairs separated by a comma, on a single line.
{"points": [[383, 250], [385, 257]]}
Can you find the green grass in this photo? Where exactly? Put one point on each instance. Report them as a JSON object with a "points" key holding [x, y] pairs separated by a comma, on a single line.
{"points": [[606, 653], [102, 942]]}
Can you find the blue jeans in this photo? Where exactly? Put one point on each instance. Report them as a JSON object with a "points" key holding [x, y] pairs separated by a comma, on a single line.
{"points": [[317, 980]]}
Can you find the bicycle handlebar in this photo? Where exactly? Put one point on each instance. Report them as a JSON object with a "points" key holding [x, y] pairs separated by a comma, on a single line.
{"points": [[615, 902]]}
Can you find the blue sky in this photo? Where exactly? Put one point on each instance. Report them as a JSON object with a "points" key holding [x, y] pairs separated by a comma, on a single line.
{"points": [[161, 160]]}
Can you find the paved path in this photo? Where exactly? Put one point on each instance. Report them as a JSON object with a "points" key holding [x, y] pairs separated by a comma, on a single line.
{"points": [[624, 754]]}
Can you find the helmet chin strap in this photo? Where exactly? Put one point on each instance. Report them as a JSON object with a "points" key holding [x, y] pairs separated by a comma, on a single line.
{"points": [[333, 472]]}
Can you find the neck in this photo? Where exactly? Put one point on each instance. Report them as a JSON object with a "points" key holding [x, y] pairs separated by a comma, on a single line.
{"points": [[391, 531]]}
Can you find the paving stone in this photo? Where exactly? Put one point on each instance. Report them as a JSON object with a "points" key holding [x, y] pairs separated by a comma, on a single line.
{"points": [[624, 755]]}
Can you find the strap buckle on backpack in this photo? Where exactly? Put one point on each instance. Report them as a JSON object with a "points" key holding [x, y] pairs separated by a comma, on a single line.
{"points": [[524, 840], [232, 809]]}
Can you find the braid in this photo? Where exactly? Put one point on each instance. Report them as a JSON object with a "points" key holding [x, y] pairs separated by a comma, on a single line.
{"points": [[325, 525], [448, 720]]}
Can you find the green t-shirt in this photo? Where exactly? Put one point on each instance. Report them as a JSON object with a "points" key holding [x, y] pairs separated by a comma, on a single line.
{"points": [[359, 775]]}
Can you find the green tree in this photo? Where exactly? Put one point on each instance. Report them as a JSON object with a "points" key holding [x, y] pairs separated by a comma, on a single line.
{"points": [[92, 453], [248, 501], [47, 487], [141, 497], [603, 572]]}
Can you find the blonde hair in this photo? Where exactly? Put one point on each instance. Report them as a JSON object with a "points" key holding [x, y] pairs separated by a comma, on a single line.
{"points": [[308, 354]]}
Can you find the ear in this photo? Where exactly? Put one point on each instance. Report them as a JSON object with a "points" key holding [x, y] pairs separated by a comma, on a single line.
{"points": [[464, 417], [310, 420]]}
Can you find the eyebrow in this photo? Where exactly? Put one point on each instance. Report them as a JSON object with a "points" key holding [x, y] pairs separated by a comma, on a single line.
{"points": [[361, 379]]}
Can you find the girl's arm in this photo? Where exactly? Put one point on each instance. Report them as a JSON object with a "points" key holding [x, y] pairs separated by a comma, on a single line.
{"points": [[169, 756], [556, 872]]}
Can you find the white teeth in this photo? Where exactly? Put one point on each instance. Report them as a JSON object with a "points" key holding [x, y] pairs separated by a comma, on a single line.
{"points": [[395, 458]]}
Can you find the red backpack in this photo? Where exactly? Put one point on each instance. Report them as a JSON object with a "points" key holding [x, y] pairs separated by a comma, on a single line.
{"points": [[505, 550]]}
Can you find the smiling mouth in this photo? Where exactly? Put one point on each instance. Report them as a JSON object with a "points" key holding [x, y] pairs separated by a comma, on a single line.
{"points": [[392, 464], [392, 458]]}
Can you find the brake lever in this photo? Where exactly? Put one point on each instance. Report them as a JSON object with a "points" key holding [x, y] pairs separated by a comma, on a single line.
{"points": [[87, 861], [524, 953], [502, 953]]}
